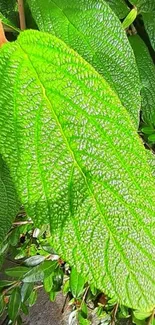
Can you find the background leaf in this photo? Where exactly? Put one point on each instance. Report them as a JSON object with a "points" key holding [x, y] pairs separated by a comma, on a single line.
{"points": [[147, 9], [77, 283], [9, 204], [147, 75], [76, 135], [14, 304], [93, 30]]}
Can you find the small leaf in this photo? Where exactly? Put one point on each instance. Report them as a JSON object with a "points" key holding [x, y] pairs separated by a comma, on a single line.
{"points": [[24, 309], [52, 295], [26, 290], [130, 18], [148, 130], [17, 272], [48, 283], [48, 267], [77, 283], [34, 260], [82, 320], [151, 138], [14, 304], [66, 287], [33, 297]]}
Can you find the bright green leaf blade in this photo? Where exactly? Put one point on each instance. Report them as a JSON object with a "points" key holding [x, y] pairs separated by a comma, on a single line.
{"points": [[77, 283], [14, 304], [147, 75], [9, 204], [93, 30], [48, 283], [129, 18], [79, 165], [119, 7]]}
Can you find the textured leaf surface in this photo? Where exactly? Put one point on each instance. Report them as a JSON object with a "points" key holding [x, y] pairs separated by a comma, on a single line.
{"points": [[9, 10], [119, 7], [144, 5], [93, 30], [147, 9], [149, 22], [147, 75], [79, 165], [8, 200]]}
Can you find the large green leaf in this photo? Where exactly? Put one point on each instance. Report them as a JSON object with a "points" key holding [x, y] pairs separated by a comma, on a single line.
{"points": [[147, 9], [78, 164], [147, 75], [93, 30], [9, 204]]}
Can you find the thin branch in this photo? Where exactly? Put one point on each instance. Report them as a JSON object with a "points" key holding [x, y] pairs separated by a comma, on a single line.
{"points": [[114, 314], [21, 14], [19, 223], [2, 35]]}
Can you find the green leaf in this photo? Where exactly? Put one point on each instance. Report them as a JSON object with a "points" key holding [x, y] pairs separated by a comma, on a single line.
{"points": [[149, 22], [36, 274], [129, 18], [100, 40], [48, 267], [147, 76], [14, 304], [119, 7], [147, 9], [26, 290], [9, 204], [34, 260], [82, 321], [9, 10], [77, 283], [17, 272], [48, 283], [151, 138], [144, 5], [76, 135], [148, 130], [32, 299], [52, 295]]}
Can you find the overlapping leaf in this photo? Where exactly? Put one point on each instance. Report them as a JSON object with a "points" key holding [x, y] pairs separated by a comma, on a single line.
{"points": [[93, 30], [79, 165], [9, 204], [147, 9], [147, 75]]}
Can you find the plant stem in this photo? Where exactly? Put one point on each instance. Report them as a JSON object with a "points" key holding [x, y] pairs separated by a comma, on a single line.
{"points": [[114, 314], [19, 223], [21, 14], [2, 35]]}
